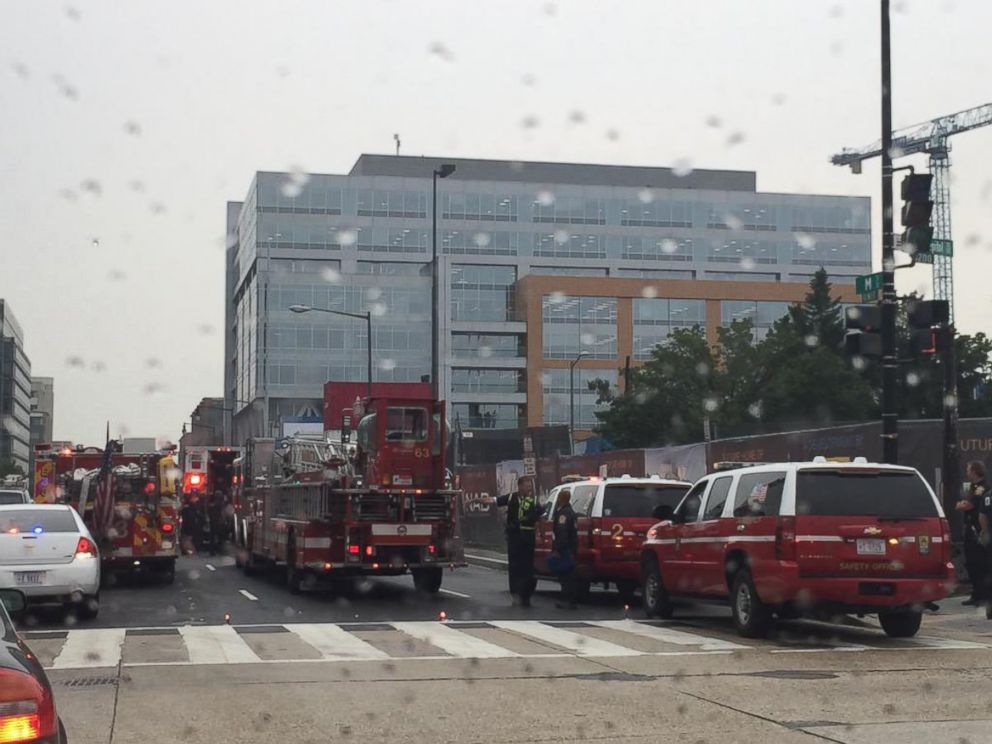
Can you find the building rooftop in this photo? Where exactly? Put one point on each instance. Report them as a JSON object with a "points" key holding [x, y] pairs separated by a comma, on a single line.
{"points": [[579, 174]]}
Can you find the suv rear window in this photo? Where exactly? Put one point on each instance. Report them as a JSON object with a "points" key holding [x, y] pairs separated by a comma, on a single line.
{"points": [[11, 497], [849, 493], [640, 499], [26, 520]]}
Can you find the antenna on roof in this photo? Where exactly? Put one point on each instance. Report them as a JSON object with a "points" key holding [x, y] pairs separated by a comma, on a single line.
{"points": [[397, 138]]}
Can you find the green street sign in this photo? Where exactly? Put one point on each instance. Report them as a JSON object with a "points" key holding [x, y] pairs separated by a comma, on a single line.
{"points": [[868, 284], [938, 247]]}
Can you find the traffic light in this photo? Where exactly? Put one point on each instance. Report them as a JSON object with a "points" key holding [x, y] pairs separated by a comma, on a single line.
{"points": [[928, 323], [916, 210], [863, 323]]}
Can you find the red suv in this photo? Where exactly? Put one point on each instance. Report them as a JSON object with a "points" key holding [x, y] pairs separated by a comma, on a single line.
{"points": [[613, 518], [816, 538]]}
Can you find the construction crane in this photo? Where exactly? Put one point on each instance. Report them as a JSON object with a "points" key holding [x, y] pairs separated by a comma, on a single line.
{"points": [[930, 137]]}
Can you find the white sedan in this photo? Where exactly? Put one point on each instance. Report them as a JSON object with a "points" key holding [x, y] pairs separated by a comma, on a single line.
{"points": [[47, 553]]}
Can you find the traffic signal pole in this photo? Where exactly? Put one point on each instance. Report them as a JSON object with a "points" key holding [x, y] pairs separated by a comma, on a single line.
{"points": [[951, 475], [890, 362]]}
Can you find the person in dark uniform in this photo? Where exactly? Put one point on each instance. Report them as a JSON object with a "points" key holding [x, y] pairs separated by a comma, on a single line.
{"points": [[190, 529], [565, 548], [975, 554], [984, 508], [522, 513]]}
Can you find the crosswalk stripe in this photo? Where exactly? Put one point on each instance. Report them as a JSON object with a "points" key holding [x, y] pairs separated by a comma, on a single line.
{"points": [[335, 643], [669, 635], [100, 647], [581, 645], [454, 642], [216, 644]]}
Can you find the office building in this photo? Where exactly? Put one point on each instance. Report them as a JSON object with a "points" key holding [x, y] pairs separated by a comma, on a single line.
{"points": [[15, 393], [42, 409], [592, 241]]}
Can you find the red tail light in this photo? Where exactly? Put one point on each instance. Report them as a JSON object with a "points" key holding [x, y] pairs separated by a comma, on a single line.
{"points": [[27, 711], [354, 549], [85, 546], [167, 527], [945, 544], [432, 549], [369, 550], [785, 539]]}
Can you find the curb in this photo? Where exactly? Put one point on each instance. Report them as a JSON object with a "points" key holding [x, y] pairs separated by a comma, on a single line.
{"points": [[486, 562]]}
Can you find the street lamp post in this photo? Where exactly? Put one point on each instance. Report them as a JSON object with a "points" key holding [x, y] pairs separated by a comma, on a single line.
{"points": [[444, 171], [367, 317], [571, 400]]}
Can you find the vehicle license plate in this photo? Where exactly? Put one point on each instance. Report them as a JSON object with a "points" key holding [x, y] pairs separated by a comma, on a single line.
{"points": [[871, 547], [29, 578]]}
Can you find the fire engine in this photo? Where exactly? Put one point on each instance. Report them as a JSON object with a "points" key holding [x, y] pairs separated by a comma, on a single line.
{"points": [[331, 512], [142, 534]]}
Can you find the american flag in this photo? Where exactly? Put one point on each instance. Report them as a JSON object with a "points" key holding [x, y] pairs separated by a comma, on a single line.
{"points": [[103, 504]]}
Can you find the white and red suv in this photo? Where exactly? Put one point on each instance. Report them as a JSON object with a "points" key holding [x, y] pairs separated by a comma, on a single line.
{"points": [[810, 538]]}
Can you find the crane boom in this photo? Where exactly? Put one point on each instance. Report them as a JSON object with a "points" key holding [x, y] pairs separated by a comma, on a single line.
{"points": [[923, 137]]}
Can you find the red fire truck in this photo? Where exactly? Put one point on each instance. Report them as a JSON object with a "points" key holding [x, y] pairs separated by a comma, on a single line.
{"points": [[142, 535], [331, 512]]}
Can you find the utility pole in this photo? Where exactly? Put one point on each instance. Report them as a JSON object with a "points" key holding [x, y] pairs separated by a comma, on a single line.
{"points": [[890, 362]]}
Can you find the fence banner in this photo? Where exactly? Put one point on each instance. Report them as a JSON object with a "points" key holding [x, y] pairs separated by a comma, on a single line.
{"points": [[481, 522], [684, 462]]}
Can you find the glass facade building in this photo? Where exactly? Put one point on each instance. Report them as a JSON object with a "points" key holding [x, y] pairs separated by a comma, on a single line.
{"points": [[15, 392], [361, 242]]}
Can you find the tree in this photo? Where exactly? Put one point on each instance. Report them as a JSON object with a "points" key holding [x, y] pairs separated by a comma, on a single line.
{"points": [[668, 397]]}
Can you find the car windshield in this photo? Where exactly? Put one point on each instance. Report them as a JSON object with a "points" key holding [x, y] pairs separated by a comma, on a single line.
{"points": [[406, 423], [640, 500], [849, 493], [13, 521], [11, 497]]}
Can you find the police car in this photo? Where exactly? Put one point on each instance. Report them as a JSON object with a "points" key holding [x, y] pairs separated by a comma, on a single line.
{"points": [[812, 538]]}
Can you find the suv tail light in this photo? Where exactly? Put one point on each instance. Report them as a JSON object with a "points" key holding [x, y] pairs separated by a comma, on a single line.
{"points": [[27, 711], [945, 543], [85, 546], [785, 539]]}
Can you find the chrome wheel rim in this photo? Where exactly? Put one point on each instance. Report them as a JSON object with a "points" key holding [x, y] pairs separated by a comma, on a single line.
{"points": [[744, 604]]}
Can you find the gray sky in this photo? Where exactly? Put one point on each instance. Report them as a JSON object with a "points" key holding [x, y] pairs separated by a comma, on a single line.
{"points": [[128, 125]]}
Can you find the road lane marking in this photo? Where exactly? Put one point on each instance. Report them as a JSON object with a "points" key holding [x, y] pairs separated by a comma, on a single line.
{"points": [[669, 635], [454, 642], [455, 594], [248, 594], [335, 643], [91, 648], [210, 567], [216, 644], [580, 645]]}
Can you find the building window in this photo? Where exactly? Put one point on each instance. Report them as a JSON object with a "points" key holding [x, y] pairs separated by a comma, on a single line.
{"points": [[742, 276], [656, 273], [480, 292], [811, 251], [762, 314], [480, 243], [379, 239], [568, 271], [481, 207], [487, 345], [326, 268], [487, 380], [569, 210], [487, 415], [565, 244], [556, 386], [846, 220], [655, 214], [393, 268], [579, 324], [743, 251], [379, 203], [641, 248], [280, 193], [655, 318]]}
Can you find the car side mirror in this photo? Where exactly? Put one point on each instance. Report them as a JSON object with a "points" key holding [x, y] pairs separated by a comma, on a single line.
{"points": [[663, 512], [13, 601]]}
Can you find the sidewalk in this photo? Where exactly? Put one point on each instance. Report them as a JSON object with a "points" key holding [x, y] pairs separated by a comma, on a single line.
{"points": [[486, 557]]}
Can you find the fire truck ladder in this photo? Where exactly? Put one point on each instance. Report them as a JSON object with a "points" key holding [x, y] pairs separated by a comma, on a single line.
{"points": [[307, 455], [932, 138]]}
